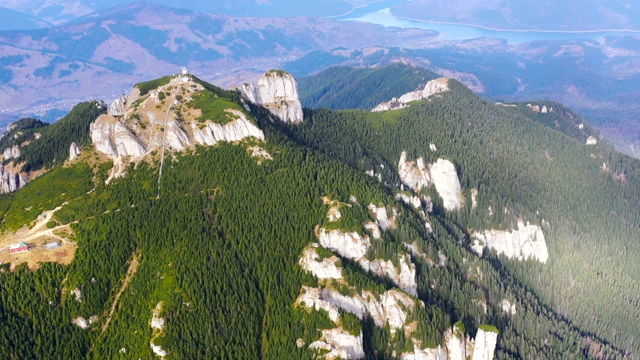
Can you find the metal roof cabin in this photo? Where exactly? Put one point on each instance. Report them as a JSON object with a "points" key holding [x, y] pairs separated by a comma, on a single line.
{"points": [[18, 248]]}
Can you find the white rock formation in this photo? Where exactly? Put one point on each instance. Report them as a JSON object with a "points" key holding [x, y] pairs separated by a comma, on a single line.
{"points": [[354, 246], [157, 322], [410, 200], [590, 141], [442, 174], [456, 344], [277, 91], [508, 307], [118, 106], [77, 294], [374, 229], [113, 138], [433, 87], [393, 306], [405, 277], [236, 130], [524, 243], [350, 245], [12, 152], [334, 213], [484, 345], [157, 349], [321, 268], [414, 174], [339, 344], [11, 180], [74, 151], [176, 137], [385, 221], [81, 323], [424, 354], [445, 179], [311, 299]]}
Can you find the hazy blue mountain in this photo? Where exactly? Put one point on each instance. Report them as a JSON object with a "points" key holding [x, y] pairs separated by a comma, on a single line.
{"points": [[572, 15], [14, 20]]}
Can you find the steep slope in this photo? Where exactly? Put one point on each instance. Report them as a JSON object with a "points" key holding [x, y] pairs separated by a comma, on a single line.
{"points": [[279, 253], [32, 146], [353, 88], [513, 171]]}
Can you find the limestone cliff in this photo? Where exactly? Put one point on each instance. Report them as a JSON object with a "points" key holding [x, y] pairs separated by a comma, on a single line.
{"points": [[485, 344], [12, 152], [118, 106], [166, 119], [442, 174], [339, 344], [11, 178], [74, 151], [277, 91], [432, 88], [527, 241]]}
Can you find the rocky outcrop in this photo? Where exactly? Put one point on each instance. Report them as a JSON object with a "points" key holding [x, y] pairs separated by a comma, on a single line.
{"points": [[521, 244], [81, 322], [112, 137], [11, 179], [391, 307], [157, 322], [236, 130], [74, 151], [354, 246], [485, 344], [339, 344], [424, 354], [157, 349], [277, 91], [138, 125], [414, 174], [591, 140], [404, 277], [456, 344], [442, 174], [326, 268], [12, 152], [385, 221], [445, 179], [507, 307], [350, 245], [118, 106], [432, 87]]}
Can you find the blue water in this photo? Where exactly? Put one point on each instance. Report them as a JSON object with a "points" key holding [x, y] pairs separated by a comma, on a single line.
{"points": [[465, 32]]}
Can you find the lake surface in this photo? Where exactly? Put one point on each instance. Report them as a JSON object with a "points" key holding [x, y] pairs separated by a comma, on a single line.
{"points": [[450, 32]]}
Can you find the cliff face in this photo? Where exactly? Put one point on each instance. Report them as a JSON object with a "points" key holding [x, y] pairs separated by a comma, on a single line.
{"points": [[485, 345], [523, 243], [442, 174], [11, 179], [432, 88], [165, 119], [278, 92]]}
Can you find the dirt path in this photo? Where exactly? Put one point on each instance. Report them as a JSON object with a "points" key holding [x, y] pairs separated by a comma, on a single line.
{"points": [[133, 267], [164, 135]]}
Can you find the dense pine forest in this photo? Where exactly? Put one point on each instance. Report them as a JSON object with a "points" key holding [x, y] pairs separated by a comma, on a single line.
{"points": [[216, 252]]}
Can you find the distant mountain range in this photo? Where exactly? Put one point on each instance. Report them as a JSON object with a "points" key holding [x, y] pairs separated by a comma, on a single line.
{"points": [[572, 15], [110, 50], [44, 72]]}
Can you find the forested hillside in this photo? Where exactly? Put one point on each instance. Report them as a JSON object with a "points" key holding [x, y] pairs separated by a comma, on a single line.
{"points": [[349, 88], [210, 264], [522, 169]]}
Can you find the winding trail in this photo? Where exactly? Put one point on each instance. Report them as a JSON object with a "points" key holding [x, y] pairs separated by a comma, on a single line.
{"points": [[133, 267]]}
